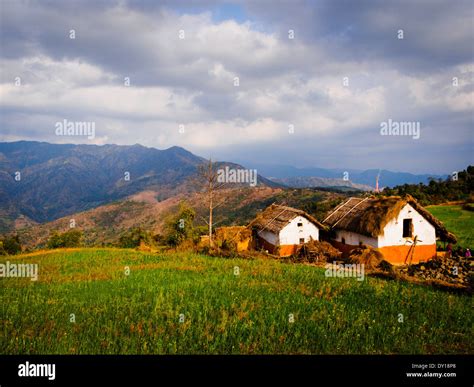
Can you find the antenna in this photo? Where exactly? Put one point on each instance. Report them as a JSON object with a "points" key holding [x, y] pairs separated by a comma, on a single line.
{"points": [[377, 182]]}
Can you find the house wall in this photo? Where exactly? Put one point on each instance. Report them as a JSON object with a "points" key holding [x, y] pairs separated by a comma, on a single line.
{"points": [[397, 249], [267, 240], [269, 237], [263, 244], [352, 241], [291, 233], [287, 241], [399, 255], [393, 231], [353, 238]]}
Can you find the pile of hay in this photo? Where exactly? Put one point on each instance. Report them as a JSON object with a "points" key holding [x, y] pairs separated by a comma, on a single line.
{"points": [[371, 258], [235, 238], [318, 251]]}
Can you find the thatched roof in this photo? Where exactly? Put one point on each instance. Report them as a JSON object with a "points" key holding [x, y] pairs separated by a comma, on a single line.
{"points": [[369, 216], [276, 217]]}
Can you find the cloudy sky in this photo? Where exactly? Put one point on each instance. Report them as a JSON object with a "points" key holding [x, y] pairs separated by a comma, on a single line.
{"points": [[303, 83]]}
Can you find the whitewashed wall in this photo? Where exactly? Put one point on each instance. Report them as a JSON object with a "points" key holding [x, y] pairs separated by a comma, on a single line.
{"points": [[291, 234], [269, 237], [352, 238], [393, 231]]}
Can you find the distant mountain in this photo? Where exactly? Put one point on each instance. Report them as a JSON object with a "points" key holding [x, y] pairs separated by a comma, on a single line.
{"points": [[320, 182], [41, 182], [367, 178]]}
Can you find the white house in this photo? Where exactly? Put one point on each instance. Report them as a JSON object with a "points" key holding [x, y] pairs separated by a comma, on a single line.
{"points": [[280, 229], [400, 228]]}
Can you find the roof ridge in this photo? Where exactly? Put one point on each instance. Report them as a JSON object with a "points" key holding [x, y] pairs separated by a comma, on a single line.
{"points": [[268, 220]]}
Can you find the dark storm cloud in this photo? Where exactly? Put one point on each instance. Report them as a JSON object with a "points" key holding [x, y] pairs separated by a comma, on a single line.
{"points": [[282, 81], [436, 33]]}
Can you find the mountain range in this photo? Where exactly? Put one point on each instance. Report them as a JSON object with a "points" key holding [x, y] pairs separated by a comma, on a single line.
{"points": [[41, 182], [304, 177]]}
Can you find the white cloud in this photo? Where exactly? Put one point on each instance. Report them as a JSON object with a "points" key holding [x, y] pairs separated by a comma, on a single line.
{"points": [[190, 81]]}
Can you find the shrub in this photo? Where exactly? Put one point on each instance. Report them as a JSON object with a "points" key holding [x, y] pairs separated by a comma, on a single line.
{"points": [[10, 245], [179, 227], [135, 238], [67, 239]]}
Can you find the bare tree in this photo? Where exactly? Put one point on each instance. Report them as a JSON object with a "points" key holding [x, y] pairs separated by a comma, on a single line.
{"points": [[209, 175]]}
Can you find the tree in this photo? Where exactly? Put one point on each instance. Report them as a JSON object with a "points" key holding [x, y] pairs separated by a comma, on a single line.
{"points": [[454, 188], [180, 226], [208, 174], [67, 239], [10, 245], [135, 237]]}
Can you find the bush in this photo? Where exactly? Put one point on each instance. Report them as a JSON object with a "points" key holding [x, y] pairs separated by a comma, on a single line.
{"points": [[67, 239], [179, 227], [135, 238], [10, 245]]}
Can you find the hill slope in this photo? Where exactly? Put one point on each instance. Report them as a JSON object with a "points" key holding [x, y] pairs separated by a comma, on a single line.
{"points": [[61, 179], [105, 224], [457, 220]]}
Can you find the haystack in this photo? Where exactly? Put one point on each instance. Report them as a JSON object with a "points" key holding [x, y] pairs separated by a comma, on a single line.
{"points": [[236, 238], [369, 257], [318, 251]]}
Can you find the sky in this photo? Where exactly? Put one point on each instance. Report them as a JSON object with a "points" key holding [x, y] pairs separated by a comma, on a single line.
{"points": [[302, 83]]}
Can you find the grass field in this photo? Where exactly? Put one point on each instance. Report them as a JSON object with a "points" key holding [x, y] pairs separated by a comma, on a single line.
{"points": [[458, 221], [221, 313]]}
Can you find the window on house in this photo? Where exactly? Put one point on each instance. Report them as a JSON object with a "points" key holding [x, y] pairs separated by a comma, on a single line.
{"points": [[300, 224], [407, 228], [343, 240], [301, 240]]}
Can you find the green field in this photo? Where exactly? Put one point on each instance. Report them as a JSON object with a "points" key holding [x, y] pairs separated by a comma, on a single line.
{"points": [[221, 313], [458, 221]]}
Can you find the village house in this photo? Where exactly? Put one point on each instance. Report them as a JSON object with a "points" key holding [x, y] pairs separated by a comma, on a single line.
{"points": [[280, 229], [400, 228]]}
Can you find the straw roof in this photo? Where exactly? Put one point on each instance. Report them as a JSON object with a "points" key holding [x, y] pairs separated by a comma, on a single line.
{"points": [[276, 217], [369, 216]]}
